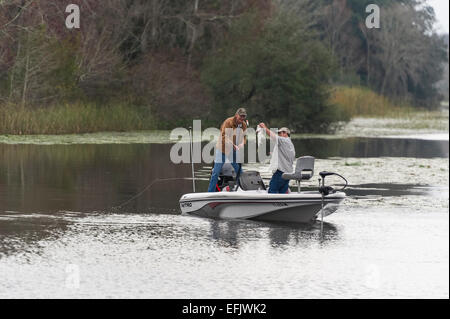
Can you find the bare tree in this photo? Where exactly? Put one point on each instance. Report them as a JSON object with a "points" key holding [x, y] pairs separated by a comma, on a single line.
{"points": [[402, 49]]}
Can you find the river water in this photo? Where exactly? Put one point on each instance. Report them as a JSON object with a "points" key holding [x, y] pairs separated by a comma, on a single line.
{"points": [[62, 234]]}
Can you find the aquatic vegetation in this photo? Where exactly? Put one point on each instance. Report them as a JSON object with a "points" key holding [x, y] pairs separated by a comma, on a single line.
{"points": [[74, 118], [416, 123], [389, 170], [353, 164], [429, 125]]}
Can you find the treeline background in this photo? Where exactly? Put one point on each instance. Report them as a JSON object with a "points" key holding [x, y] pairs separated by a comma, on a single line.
{"points": [[157, 64]]}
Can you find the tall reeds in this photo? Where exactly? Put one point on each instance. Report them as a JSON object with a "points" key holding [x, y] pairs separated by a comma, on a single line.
{"points": [[74, 118], [363, 102]]}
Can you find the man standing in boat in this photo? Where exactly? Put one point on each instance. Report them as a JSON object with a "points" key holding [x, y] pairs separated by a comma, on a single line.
{"points": [[231, 140], [282, 160]]}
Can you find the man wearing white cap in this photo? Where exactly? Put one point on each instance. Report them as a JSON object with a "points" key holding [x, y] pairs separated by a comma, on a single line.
{"points": [[282, 160]]}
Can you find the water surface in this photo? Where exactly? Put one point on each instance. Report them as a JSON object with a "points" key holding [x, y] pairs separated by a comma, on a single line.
{"points": [[62, 233]]}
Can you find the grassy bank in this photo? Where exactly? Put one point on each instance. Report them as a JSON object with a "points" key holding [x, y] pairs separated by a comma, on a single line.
{"points": [[73, 118], [76, 118], [363, 102]]}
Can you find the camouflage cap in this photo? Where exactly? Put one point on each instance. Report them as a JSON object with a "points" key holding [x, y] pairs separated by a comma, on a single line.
{"points": [[241, 111]]}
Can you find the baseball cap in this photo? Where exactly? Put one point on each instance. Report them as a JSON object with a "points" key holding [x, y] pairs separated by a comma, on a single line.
{"points": [[284, 129], [241, 111]]}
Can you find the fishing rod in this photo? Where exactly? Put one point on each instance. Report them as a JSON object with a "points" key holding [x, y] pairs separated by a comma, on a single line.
{"points": [[191, 139]]}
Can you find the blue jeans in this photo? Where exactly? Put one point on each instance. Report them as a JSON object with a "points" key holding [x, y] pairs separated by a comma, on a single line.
{"points": [[278, 184], [218, 164]]}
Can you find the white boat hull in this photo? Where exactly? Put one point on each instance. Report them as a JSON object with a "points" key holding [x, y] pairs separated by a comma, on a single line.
{"points": [[259, 205]]}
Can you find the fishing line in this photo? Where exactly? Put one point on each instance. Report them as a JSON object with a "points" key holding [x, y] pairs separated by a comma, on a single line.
{"points": [[146, 188]]}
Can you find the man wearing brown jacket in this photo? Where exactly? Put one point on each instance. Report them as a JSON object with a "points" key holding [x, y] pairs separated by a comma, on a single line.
{"points": [[232, 139]]}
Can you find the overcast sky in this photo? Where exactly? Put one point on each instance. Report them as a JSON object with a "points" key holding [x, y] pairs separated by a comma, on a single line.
{"points": [[441, 10]]}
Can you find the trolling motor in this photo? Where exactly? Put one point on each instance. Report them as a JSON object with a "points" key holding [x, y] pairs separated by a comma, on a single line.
{"points": [[326, 190]]}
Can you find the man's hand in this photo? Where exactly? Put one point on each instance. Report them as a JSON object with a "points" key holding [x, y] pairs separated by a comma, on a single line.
{"points": [[269, 132]]}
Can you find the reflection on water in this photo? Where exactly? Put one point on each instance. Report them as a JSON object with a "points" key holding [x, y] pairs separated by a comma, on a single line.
{"points": [[21, 233], [372, 147], [88, 177], [24, 232], [388, 190], [229, 233], [55, 212], [167, 256]]}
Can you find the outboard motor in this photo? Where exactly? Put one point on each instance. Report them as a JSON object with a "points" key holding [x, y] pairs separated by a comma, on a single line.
{"points": [[249, 180], [227, 177]]}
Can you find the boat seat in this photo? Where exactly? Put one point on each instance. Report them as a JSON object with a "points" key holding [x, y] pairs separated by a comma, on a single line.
{"points": [[304, 170], [227, 170], [251, 180]]}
